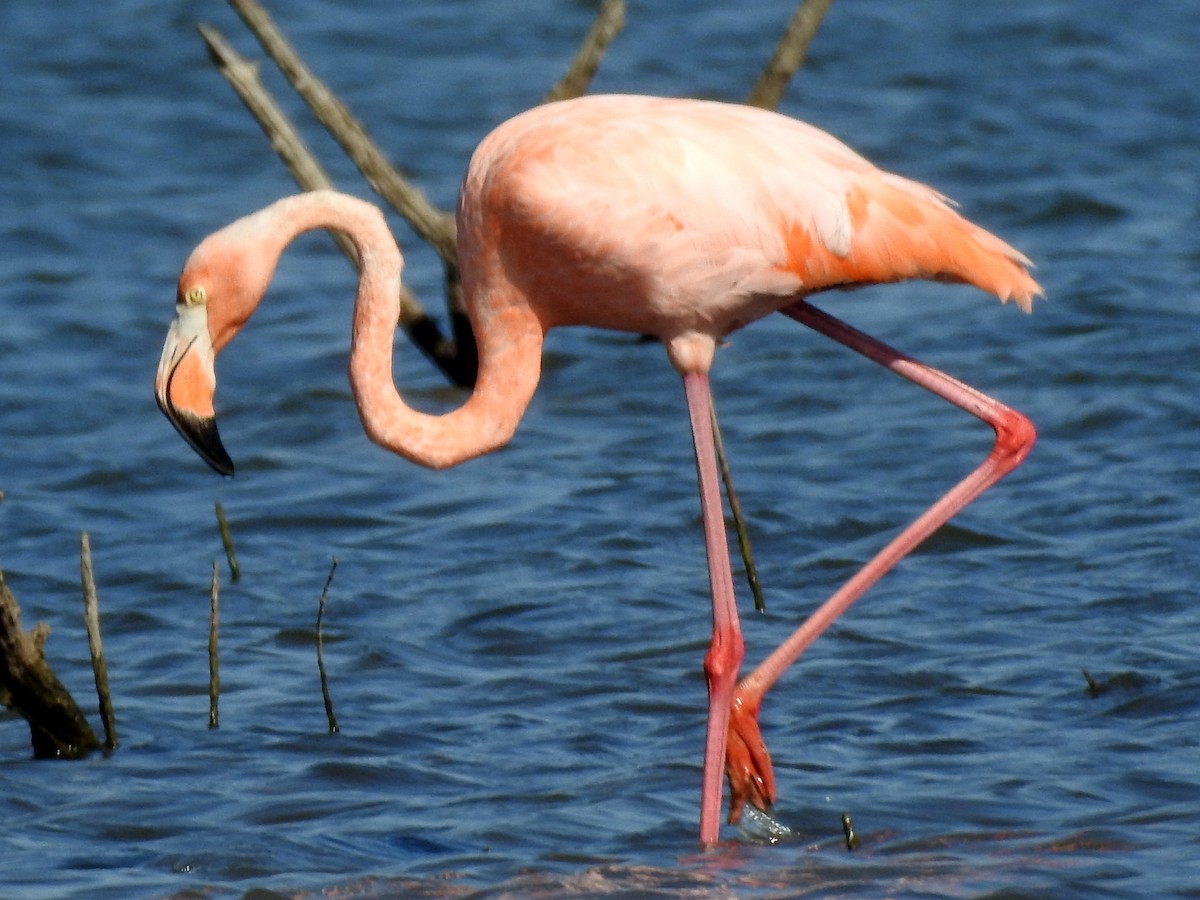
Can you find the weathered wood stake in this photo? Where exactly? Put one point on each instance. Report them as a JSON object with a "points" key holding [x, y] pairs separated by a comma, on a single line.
{"points": [[227, 539], [739, 521], [333, 725], [91, 617], [214, 669], [57, 728]]}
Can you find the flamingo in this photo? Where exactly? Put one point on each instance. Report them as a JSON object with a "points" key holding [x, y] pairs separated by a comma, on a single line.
{"points": [[680, 219]]}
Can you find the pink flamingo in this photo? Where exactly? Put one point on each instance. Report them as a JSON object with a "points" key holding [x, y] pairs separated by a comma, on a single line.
{"points": [[681, 219]]}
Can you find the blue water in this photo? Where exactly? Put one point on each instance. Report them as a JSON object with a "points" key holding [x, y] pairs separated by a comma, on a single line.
{"points": [[514, 646]]}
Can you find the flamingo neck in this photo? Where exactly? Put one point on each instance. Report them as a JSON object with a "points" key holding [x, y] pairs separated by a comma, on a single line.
{"points": [[508, 335]]}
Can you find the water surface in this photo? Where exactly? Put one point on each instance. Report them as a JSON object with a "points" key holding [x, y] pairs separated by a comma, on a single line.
{"points": [[514, 647]]}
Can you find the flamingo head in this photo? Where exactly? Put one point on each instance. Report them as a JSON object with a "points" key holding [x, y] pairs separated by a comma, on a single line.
{"points": [[220, 286]]}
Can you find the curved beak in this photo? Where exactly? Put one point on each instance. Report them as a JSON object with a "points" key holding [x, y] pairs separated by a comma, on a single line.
{"points": [[185, 384]]}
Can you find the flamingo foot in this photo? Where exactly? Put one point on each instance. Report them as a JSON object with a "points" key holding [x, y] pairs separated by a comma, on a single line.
{"points": [[747, 762]]}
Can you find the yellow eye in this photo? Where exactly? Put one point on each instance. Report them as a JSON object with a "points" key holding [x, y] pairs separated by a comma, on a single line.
{"points": [[195, 296]]}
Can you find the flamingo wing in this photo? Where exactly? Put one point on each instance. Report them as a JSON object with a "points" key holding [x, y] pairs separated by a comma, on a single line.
{"points": [[657, 215]]}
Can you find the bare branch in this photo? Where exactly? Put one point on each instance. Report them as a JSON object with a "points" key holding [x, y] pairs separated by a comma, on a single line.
{"points": [[57, 728], [789, 53], [214, 664], [91, 617], [235, 571], [608, 23], [455, 358], [330, 717], [434, 226], [735, 510]]}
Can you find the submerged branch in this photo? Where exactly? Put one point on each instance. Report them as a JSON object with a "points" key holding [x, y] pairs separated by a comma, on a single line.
{"points": [[735, 510], [422, 329], [789, 53], [214, 665], [29, 687], [332, 719], [608, 23], [91, 617], [235, 571], [848, 832], [432, 224]]}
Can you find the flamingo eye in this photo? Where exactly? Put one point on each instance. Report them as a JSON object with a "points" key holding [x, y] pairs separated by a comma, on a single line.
{"points": [[195, 296]]}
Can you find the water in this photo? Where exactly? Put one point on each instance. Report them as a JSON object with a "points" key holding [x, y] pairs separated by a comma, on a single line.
{"points": [[514, 647]]}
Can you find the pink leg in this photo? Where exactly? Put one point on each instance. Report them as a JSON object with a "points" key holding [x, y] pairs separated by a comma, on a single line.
{"points": [[748, 764], [725, 654]]}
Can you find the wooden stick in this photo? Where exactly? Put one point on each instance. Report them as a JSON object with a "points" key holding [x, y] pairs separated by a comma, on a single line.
{"points": [[436, 227], [789, 53], [739, 521], [454, 357], [91, 617], [214, 666], [28, 686], [432, 224], [458, 360], [767, 92], [227, 539], [608, 23], [333, 725], [243, 77]]}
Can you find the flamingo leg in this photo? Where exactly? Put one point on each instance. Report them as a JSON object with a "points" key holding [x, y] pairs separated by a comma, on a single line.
{"points": [[748, 764], [725, 654]]}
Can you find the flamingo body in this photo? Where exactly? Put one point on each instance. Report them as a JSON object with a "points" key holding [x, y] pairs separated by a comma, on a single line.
{"points": [[681, 219], [677, 217]]}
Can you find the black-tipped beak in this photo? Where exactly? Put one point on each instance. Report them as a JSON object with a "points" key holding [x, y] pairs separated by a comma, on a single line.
{"points": [[201, 434], [184, 386]]}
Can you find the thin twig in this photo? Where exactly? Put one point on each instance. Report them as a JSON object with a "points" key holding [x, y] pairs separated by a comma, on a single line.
{"points": [[91, 617], [767, 92], [227, 539], [455, 358], [789, 53], [739, 521], [333, 725], [433, 225], [214, 668], [608, 23], [243, 77], [436, 227]]}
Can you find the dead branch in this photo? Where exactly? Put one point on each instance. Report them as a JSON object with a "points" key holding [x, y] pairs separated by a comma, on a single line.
{"points": [[91, 617], [332, 719], [608, 23], [454, 358], [433, 225], [735, 510], [789, 54], [29, 687], [214, 669], [235, 571]]}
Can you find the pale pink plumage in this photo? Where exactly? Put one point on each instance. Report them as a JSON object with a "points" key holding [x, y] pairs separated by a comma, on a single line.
{"points": [[680, 219]]}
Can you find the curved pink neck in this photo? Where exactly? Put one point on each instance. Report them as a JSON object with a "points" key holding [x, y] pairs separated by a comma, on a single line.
{"points": [[508, 334]]}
